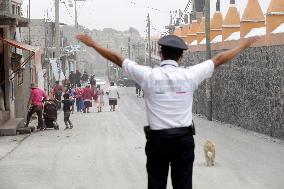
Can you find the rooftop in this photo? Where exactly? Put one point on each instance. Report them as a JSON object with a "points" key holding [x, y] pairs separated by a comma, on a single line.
{"points": [[185, 30], [217, 39], [201, 28], [232, 17], [177, 31], [193, 43], [234, 36], [256, 14], [193, 28], [279, 29], [256, 32], [217, 21], [276, 6]]}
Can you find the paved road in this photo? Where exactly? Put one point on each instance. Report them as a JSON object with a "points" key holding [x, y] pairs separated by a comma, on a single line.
{"points": [[106, 151]]}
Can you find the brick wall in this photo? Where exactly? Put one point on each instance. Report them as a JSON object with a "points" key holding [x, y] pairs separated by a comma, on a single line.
{"points": [[247, 92]]}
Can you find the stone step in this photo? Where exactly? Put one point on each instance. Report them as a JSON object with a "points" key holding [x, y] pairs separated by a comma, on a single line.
{"points": [[4, 116], [10, 127]]}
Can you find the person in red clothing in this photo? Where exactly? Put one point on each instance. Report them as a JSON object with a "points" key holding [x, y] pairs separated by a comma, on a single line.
{"points": [[79, 99], [35, 105], [87, 96]]}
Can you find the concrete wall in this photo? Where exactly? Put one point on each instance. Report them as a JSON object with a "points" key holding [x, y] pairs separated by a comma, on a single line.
{"points": [[247, 92]]}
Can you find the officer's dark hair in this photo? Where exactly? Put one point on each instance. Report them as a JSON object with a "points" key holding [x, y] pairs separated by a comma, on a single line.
{"points": [[170, 53]]}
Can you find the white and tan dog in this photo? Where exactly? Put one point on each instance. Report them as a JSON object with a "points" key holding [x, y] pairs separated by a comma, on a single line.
{"points": [[209, 152]]}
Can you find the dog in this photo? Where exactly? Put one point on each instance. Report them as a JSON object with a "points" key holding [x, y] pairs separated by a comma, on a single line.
{"points": [[210, 153]]}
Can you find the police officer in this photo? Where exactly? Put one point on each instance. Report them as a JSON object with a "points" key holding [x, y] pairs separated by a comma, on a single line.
{"points": [[169, 96]]}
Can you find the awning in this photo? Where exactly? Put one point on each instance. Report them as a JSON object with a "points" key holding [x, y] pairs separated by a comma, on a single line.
{"points": [[35, 53], [22, 46]]}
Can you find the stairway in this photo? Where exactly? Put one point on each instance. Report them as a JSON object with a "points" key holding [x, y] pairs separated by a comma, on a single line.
{"points": [[8, 127]]}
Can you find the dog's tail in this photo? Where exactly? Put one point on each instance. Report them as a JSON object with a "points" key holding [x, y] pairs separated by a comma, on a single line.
{"points": [[210, 154]]}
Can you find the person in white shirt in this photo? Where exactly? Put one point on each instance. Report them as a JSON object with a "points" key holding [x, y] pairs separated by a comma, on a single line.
{"points": [[168, 97], [113, 95]]}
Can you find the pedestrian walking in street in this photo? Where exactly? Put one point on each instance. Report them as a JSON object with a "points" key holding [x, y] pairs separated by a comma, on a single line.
{"points": [[57, 93], [168, 98], [78, 77], [72, 79], [68, 105], [79, 99], [87, 96], [71, 92], [85, 77], [99, 98], [35, 105], [93, 82], [113, 95]]}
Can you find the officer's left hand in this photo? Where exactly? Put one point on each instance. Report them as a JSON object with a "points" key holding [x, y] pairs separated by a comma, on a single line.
{"points": [[86, 39]]}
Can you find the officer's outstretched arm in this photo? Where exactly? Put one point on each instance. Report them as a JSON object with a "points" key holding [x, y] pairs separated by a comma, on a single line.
{"points": [[227, 56], [106, 53]]}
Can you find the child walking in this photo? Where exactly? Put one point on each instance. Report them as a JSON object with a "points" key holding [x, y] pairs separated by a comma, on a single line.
{"points": [[68, 105], [100, 98]]}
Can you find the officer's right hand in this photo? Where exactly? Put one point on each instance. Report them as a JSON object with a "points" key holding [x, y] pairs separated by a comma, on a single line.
{"points": [[251, 41]]}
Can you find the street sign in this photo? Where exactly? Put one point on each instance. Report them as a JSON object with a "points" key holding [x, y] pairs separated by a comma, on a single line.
{"points": [[71, 48]]}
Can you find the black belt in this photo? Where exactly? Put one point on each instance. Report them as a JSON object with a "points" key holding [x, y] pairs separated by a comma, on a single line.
{"points": [[190, 130]]}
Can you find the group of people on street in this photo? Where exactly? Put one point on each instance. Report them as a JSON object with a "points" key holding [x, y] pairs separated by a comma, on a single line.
{"points": [[78, 78], [84, 96], [79, 96]]}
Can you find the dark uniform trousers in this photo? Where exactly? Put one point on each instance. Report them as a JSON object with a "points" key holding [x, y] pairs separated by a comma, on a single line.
{"points": [[176, 151]]}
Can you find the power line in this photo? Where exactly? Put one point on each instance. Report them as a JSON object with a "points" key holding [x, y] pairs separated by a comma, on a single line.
{"points": [[149, 7], [68, 10], [184, 11]]}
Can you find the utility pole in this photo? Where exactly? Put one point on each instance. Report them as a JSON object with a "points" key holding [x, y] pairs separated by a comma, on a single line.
{"points": [[76, 15], [57, 32], [129, 56], [207, 28], [108, 69], [29, 22], [149, 40], [208, 56]]}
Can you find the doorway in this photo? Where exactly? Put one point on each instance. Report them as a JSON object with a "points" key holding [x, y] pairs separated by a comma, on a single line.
{"points": [[2, 73]]}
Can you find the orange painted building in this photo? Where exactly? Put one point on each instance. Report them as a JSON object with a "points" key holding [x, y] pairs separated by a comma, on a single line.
{"points": [[192, 36], [216, 25], [184, 31], [253, 17], [201, 31], [231, 22], [275, 14], [274, 18], [178, 31]]}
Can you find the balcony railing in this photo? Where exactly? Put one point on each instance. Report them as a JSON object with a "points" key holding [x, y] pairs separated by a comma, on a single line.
{"points": [[11, 11]]}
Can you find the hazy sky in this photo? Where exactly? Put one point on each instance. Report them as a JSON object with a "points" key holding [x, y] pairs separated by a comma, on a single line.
{"points": [[121, 14]]}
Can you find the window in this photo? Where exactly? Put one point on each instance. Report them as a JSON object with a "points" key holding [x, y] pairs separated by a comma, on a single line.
{"points": [[13, 9]]}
